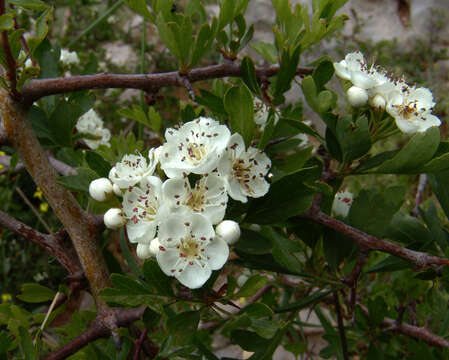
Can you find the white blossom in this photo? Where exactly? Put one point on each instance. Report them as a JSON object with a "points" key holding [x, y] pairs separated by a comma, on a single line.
{"points": [[357, 97], [100, 189], [69, 57], [244, 170], [412, 108], [342, 203], [132, 169], [90, 123], [194, 147], [143, 251], [261, 112], [142, 207], [114, 218], [189, 250], [229, 231], [208, 197]]}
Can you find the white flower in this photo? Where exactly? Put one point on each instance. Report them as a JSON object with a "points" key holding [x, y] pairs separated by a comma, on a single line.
{"points": [[229, 231], [194, 147], [69, 57], [114, 218], [244, 170], [116, 189], [355, 69], [357, 97], [141, 205], [411, 108], [342, 203], [261, 112], [132, 169], [28, 64], [378, 101], [208, 197], [90, 123], [145, 251], [100, 189], [189, 249]]}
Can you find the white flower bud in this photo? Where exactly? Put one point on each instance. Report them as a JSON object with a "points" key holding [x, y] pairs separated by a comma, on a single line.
{"points": [[154, 246], [143, 251], [378, 102], [100, 189], [114, 219], [357, 96], [229, 231], [342, 203], [117, 190]]}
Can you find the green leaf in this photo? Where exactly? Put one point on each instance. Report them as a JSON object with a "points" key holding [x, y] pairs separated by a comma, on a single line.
{"points": [[440, 161], [267, 50], [209, 355], [249, 75], [150, 318], [62, 122], [290, 164], [26, 344], [130, 260], [238, 103], [437, 233], [184, 325], [253, 242], [418, 151], [98, 164], [257, 310], [372, 210], [135, 113], [305, 302], [156, 278], [6, 22], [5, 342], [408, 230], [323, 73], [287, 197], [286, 252], [79, 182], [440, 186], [310, 92], [266, 353], [30, 4], [140, 7], [389, 264], [354, 138], [247, 340], [251, 285], [287, 71], [35, 293]]}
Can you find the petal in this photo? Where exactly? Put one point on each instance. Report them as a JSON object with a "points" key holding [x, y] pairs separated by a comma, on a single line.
{"points": [[263, 162], [141, 231], [430, 120], [200, 227], [214, 213], [221, 138], [214, 184], [194, 276], [363, 80], [175, 191], [224, 164], [235, 191], [218, 251], [259, 187], [342, 71], [168, 260], [406, 126], [236, 145], [171, 230]]}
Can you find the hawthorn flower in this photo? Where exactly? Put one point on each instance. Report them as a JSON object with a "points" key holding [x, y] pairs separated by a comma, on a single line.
{"points": [[342, 203], [208, 197], [69, 57], [355, 69], [90, 123], [189, 250], [145, 250], [142, 207], [132, 169], [261, 112], [244, 170], [114, 218], [411, 108], [100, 189], [229, 231], [194, 147]]}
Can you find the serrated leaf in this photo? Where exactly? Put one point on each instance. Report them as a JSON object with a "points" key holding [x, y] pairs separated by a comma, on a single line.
{"points": [[247, 340], [6, 22], [354, 138], [98, 164], [249, 75], [253, 242], [184, 325], [155, 277]]}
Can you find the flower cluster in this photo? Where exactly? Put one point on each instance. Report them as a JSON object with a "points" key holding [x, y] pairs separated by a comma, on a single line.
{"points": [[411, 107], [91, 124], [173, 219]]}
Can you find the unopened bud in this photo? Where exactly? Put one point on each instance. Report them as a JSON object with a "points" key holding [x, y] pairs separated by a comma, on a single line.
{"points": [[229, 231], [100, 189], [154, 246], [143, 251], [357, 96], [114, 218], [117, 190], [378, 102]]}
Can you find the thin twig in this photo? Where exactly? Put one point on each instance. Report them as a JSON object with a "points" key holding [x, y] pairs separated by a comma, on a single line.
{"points": [[139, 344], [341, 327], [370, 242], [33, 209], [419, 194], [38, 88]]}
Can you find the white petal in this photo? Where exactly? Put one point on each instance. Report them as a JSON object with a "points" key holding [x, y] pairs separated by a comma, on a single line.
{"points": [[406, 126], [225, 164], [168, 260], [236, 144], [235, 191], [430, 120], [171, 230], [262, 162], [363, 80], [141, 231], [259, 187], [194, 276], [175, 191], [200, 226], [342, 71], [214, 213], [215, 185], [218, 251]]}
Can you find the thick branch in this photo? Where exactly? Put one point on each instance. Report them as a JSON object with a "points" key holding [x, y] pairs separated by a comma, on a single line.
{"points": [[96, 330], [38, 88], [51, 243], [370, 242], [79, 225], [10, 62]]}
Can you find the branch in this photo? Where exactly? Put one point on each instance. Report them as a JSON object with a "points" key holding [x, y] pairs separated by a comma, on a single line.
{"points": [[51, 243], [38, 88], [341, 327], [98, 329], [59, 166], [10, 62], [419, 194], [370, 242]]}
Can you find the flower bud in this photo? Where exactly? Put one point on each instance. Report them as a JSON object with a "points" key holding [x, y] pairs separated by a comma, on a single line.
{"points": [[117, 190], [342, 203], [100, 189], [114, 218], [143, 251], [229, 231], [357, 96], [378, 102], [154, 246]]}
